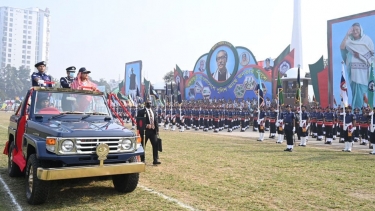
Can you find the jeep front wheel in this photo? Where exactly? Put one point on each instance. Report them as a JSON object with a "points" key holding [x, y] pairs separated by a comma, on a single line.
{"points": [[126, 183], [36, 190], [13, 169]]}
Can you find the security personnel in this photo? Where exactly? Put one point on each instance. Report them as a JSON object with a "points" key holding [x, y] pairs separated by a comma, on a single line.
{"points": [[341, 125], [289, 127], [372, 133], [349, 127], [272, 115], [329, 119], [280, 127], [261, 123], [40, 78], [216, 116], [313, 127], [303, 126], [364, 125], [66, 81], [319, 124], [356, 132]]}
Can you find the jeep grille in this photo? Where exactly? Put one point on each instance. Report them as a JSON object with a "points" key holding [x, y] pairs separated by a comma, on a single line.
{"points": [[88, 146]]}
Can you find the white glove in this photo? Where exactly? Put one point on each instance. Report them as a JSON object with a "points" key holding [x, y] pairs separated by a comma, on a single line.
{"points": [[353, 129], [258, 122], [307, 126], [283, 127], [371, 113], [41, 82], [277, 124], [294, 129], [323, 125]]}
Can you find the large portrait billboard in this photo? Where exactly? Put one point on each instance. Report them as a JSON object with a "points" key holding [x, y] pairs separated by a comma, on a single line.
{"points": [[230, 73], [351, 52], [133, 75]]}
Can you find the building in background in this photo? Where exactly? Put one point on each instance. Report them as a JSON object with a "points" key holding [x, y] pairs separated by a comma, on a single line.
{"points": [[24, 36]]}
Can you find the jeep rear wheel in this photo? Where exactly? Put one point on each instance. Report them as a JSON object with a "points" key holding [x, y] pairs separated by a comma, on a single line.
{"points": [[36, 190], [13, 169], [126, 183]]}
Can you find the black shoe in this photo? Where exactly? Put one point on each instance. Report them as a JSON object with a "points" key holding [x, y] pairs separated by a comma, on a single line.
{"points": [[156, 162], [287, 149]]}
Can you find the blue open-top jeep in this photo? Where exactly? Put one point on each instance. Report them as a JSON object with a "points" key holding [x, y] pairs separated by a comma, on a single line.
{"points": [[61, 134]]}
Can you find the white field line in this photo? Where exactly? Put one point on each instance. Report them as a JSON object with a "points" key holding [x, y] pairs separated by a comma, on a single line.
{"points": [[13, 199], [167, 198]]}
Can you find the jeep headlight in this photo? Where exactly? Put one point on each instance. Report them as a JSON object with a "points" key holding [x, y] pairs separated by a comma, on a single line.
{"points": [[67, 145], [126, 144]]}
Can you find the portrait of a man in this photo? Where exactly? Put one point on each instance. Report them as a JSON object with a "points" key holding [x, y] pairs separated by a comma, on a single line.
{"points": [[221, 74], [132, 84], [267, 65]]}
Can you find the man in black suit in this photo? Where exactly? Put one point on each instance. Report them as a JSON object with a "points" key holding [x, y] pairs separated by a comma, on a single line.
{"points": [[151, 131]]}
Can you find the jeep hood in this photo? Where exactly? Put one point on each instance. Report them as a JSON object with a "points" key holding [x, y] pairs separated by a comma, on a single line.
{"points": [[77, 129]]}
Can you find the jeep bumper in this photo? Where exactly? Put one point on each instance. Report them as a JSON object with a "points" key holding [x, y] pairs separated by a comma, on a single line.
{"points": [[89, 171]]}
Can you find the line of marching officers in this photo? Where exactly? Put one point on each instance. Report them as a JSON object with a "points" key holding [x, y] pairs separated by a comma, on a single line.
{"points": [[283, 123]]}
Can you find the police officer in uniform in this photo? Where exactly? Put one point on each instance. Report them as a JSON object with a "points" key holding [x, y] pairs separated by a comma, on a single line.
{"points": [[364, 125], [261, 123], [289, 127], [349, 127], [66, 81], [372, 131], [280, 126], [358, 117], [40, 78], [319, 124], [303, 126], [329, 119], [272, 118]]}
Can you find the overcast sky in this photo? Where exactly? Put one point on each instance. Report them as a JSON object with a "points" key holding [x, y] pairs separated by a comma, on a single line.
{"points": [[104, 35]]}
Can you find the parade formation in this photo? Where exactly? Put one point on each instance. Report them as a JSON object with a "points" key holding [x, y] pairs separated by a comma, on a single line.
{"points": [[311, 122]]}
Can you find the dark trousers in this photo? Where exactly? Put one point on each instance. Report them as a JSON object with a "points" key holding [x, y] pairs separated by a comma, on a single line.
{"points": [[329, 131], [272, 127], [313, 127], [298, 131], [289, 135], [334, 130], [372, 137], [356, 132], [319, 130], [150, 134], [364, 132]]}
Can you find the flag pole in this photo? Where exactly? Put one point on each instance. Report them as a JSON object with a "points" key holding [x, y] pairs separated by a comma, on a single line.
{"points": [[258, 102], [300, 99], [278, 104]]}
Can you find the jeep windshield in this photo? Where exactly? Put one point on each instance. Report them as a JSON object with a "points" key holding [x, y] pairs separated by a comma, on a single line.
{"points": [[60, 104]]}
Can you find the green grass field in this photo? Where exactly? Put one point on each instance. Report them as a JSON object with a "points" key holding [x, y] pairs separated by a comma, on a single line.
{"points": [[211, 172]]}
